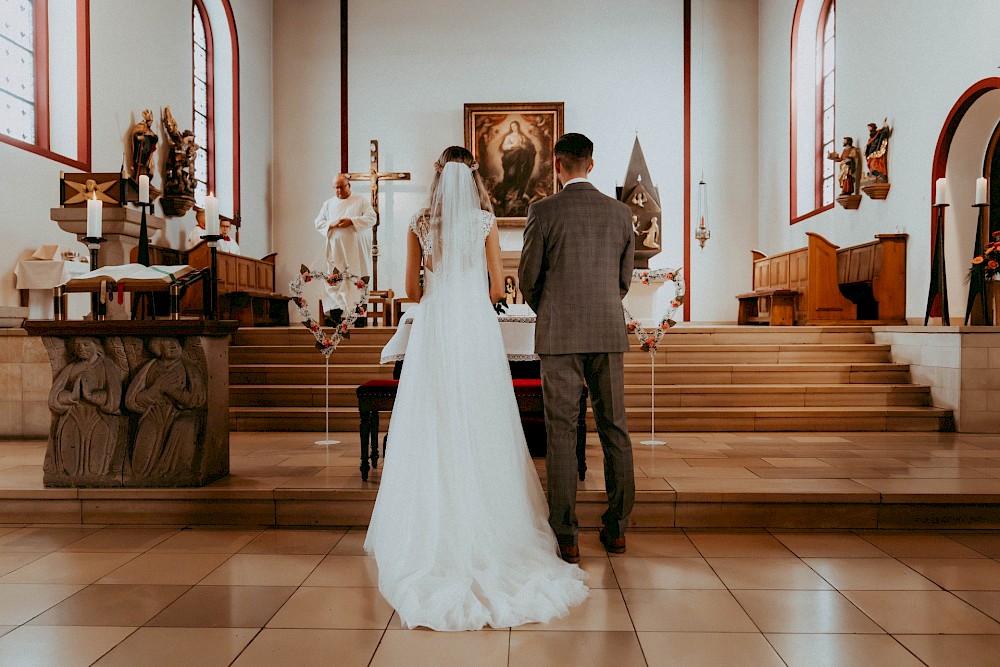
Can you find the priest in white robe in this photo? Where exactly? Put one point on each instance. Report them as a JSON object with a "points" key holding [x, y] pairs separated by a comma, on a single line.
{"points": [[346, 221]]}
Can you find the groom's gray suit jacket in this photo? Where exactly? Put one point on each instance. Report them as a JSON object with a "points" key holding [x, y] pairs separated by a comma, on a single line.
{"points": [[576, 267]]}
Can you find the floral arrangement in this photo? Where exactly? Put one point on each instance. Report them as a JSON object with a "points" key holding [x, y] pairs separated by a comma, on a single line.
{"points": [[649, 339], [989, 261], [325, 342]]}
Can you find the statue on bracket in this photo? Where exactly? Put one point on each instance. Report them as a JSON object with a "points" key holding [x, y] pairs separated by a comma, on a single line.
{"points": [[143, 145], [876, 183], [643, 198], [849, 162], [179, 181]]}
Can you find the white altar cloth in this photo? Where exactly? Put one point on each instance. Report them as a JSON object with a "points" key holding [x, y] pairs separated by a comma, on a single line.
{"points": [[40, 276], [517, 326]]}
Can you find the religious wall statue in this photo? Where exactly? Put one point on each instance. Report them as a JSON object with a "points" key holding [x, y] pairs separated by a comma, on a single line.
{"points": [[643, 198], [875, 184], [143, 145], [849, 166], [169, 394], [85, 401], [652, 234], [179, 180]]}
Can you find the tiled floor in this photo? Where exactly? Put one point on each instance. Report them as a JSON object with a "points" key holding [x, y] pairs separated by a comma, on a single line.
{"points": [[72, 595]]}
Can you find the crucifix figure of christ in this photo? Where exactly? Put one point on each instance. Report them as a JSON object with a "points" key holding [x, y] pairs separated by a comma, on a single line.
{"points": [[373, 176]]}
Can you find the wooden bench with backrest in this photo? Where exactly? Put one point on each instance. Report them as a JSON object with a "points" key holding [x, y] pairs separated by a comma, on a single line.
{"points": [[824, 284]]}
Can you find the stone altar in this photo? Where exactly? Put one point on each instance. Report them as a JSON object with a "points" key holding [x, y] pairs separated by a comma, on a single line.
{"points": [[137, 403]]}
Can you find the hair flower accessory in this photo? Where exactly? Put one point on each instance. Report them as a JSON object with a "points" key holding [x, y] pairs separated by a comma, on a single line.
{"points": [[474, 166]]}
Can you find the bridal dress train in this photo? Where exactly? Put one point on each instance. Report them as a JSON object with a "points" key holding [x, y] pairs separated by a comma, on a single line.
{"points": [[459, 530]]}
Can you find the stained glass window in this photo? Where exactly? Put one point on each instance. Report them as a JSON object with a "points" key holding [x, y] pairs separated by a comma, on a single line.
{"points": [[17, 69], [201, 104]]}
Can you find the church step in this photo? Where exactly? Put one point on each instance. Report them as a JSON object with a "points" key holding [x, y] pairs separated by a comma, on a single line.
{"points": [[312, 374], [299, 335], [701, 419], [303, 354], [807, 374], [636, 396], [764, 354], [733, 335]]}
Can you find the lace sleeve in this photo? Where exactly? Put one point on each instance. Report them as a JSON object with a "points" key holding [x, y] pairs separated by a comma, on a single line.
{"points": [[422, 236], [488, 221]]}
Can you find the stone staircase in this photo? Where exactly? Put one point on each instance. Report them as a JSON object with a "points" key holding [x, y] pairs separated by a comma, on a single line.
{"points": [[724, 378]]}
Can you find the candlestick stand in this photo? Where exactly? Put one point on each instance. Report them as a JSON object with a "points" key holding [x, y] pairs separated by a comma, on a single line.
{"points": [[97, 308], [652, 402], [213, 301], [939, 279], [977, 284]]}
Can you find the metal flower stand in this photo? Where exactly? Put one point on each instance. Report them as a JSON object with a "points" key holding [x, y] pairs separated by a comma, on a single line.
{"points": [[652, 401]]}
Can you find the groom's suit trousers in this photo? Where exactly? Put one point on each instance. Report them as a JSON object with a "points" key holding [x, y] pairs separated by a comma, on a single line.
{"points": [[563, 376]]}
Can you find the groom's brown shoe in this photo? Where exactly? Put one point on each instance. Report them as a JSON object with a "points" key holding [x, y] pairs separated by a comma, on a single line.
{"points": [[569, 553], [613, 545]]}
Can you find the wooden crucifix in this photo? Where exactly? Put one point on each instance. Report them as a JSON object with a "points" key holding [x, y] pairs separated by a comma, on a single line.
{"points": [[373, 176]]}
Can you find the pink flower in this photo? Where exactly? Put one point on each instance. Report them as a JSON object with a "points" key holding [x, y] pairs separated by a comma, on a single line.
{"points": [[360, 284], [670, 276], [675, 304], [664, 326]]}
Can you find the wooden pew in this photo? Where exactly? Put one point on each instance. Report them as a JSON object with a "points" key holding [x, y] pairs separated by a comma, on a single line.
{"points": [[824, 284]]}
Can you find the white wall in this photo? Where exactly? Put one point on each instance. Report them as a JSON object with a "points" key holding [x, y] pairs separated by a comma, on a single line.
{"points": [[132, 69], [908, 60]]}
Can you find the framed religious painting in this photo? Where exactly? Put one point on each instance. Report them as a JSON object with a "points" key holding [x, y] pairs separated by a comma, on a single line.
{"points": [[513, 144]]}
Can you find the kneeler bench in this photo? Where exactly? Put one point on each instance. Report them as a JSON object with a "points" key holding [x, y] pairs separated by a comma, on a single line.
{"points": [[377, 396], [767, 306]]}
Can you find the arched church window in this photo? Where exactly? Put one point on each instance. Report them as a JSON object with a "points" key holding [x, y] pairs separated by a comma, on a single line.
{"points": [[44, 93], [216, 102], [813, 108], [203, 96]]}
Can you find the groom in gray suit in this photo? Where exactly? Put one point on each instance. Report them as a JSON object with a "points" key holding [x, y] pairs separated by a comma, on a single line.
{"points": [[576, 267]]}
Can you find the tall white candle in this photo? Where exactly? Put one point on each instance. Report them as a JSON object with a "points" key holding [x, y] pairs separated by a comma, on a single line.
{"points": [[982, 191], [94, 225], [211, 215], [144, 189], [942, 197]]}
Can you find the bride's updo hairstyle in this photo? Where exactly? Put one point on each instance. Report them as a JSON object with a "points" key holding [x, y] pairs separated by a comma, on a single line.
{"points": [[453, 154]]}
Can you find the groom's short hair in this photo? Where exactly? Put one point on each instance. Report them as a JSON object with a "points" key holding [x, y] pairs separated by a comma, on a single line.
{"points": [[574, 150]]}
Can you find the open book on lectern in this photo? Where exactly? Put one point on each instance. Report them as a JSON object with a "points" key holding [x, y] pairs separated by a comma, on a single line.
{"points": [[133, 275]]}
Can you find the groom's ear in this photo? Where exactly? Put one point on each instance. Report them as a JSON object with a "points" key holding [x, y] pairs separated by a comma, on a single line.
{"points": [[590, 165]]}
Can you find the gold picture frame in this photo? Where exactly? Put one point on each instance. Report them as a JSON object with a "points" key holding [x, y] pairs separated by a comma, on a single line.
{"points": [[513, 143]]}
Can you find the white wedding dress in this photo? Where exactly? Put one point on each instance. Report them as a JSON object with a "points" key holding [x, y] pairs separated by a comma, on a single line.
{"points": [[459, 530]]}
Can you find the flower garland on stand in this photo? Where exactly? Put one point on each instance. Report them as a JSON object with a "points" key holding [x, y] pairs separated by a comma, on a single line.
{"points": [[326, 343], [649, 339]]}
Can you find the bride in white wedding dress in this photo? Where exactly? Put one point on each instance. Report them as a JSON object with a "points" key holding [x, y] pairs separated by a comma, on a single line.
{"points": [[460, 531]]}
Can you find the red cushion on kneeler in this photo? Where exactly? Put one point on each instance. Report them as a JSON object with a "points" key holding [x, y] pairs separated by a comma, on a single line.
{"points": [[527, 383], [375, 384]]}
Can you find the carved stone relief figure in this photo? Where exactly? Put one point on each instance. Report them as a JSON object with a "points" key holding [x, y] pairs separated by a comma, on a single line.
{"points": [[85, 401], [168, 392]]}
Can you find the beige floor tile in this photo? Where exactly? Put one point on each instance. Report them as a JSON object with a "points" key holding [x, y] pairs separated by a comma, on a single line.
{"points": [[954, 650], [263, 570], [987, 543], [19, 603], [310, 648], [67, 568], [121, 540], [169, 647], [828, 545], [43, 539], [351, 544], [804, 612], [278, 541], [64, 646], [223, 607], [165, 568], [668, 544], [599, 572], [4, 629], [336, 608], [531, 649], [767, 573], [987, 602], [707, 649], [395, 623], [869, 574], [111, 605], [401, 647], [738, 544], [665, 573], [958, 574], [207, 541], [922, 612], [686, 611], [603, 610], [345, 571], [16, 559], [919, 545], [841, 650]]}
